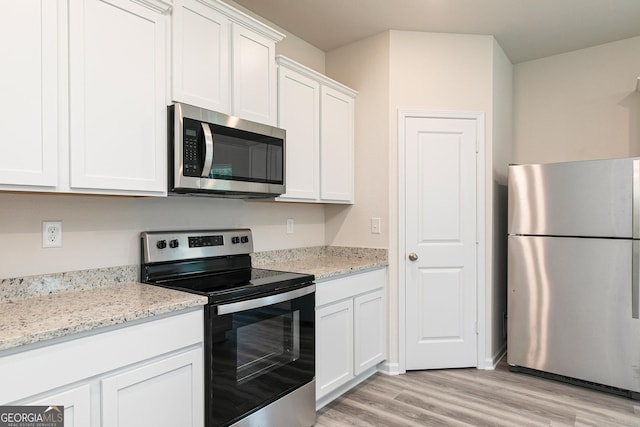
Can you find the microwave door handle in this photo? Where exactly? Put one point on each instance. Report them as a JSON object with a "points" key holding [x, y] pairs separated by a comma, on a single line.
{"points": [[635, 280], [208, 150]]}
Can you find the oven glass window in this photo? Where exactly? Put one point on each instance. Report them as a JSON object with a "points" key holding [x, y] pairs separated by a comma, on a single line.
{"points": [[267, 345], [257, 356]]}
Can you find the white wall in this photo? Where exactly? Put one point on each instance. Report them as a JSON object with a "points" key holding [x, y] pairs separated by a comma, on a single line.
{"points": [[364, 66], [413, 70], [501, 157], [104, 231], [292, 46], [442, 72], [580, 105]]}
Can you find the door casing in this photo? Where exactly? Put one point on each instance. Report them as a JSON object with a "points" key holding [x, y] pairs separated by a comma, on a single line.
{"points": [[483, 362]]}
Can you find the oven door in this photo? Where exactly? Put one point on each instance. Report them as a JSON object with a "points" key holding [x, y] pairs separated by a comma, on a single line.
{"points": [[258, 351]]}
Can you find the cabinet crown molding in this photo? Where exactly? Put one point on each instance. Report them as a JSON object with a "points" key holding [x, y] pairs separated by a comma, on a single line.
{"points": [[160, 6], [243, 19], [321, 78]]}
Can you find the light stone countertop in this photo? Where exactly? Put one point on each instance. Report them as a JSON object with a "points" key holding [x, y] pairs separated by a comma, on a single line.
{"points": [[39, 318], [39, 308], [323, 262]]}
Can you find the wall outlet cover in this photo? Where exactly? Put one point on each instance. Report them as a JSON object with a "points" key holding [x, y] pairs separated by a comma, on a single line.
{"points": [[51, 234]]}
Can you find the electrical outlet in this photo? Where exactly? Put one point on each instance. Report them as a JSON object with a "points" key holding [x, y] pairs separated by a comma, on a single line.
{"points": [[51, 234], [290, 224], [375, 226]]}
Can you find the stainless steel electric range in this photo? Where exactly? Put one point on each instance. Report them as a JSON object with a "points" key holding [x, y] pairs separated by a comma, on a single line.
{"points": [[259, 325]]}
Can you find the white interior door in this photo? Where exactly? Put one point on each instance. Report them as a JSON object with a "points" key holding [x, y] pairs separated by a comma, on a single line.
{"points": [[440, 242]]}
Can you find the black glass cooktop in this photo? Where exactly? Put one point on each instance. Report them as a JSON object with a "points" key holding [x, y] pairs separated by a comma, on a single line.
{"points": [[239, 284]]}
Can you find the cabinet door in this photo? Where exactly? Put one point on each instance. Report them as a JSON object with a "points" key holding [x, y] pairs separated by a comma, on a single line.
{"points": [[254, 76], [165, 393], [369, 330], [76, 402], [29, 109], [117, 96], [334, 346], [200, 56], [299, 115], [336, 146]]}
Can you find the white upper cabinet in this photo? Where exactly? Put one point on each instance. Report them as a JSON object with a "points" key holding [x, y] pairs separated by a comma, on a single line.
{"points": [[318, 115], [84, 90], [29, 83], [117, 96], [254, 76], [299, 114], [336, 147], [224, 60], [201, 56]]}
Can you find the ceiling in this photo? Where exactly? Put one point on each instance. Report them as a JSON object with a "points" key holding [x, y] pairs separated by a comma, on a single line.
{"points": [[526, 29]]}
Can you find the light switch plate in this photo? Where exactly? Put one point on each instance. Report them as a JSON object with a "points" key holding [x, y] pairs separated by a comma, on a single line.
{"points": [[375, 226]]}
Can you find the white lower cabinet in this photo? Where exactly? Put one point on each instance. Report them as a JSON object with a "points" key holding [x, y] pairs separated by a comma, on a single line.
{"points": [[76, 402], [369, 330], [350, 332], [141, 396], [149, 374], [334, 346]]}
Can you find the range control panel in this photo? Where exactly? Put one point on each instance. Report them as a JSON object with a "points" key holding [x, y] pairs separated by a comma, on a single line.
{"points": [[161, 246]]}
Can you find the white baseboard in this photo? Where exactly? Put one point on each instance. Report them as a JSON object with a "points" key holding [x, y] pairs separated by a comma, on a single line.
{"points": [[388, 368], [332, 395], [492, 362]]}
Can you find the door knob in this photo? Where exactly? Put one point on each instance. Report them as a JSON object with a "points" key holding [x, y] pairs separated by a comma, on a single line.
{"points": [[413, 256]]}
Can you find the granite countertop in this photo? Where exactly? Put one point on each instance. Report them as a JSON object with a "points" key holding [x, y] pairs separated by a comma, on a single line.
{"points": [[325, 262], [39, 308], [32, 319]]}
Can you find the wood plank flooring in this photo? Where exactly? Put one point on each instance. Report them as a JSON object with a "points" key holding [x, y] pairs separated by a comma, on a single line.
{"points": [[471, 397]]}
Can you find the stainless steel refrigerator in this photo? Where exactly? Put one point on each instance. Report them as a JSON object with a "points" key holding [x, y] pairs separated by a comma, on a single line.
{"points": [[574, 272]]}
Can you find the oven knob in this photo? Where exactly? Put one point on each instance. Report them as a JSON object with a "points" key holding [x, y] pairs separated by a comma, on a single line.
{"points": [[161, 244], [244, 239], [174, 243], [235, 240]]}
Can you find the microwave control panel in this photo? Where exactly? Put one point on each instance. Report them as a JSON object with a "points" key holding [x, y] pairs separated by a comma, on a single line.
{"points": [[191, 148]]}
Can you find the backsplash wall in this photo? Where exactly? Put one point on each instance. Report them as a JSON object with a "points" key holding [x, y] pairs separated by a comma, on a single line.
{"points": [[103, 231]]}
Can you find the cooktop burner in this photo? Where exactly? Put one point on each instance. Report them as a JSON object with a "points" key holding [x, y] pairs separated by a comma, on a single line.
{"points": [[234, 285], [215, 263]]}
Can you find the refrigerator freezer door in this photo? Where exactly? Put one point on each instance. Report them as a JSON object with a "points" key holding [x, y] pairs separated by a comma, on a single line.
{"points": [[570, 309], [588, 198]]}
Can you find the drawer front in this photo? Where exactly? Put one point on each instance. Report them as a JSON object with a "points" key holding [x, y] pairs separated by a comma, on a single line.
{"points": [[349, 286]]}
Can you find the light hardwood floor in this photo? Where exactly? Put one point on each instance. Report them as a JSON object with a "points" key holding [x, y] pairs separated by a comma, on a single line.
{"points": [[471, 397]]}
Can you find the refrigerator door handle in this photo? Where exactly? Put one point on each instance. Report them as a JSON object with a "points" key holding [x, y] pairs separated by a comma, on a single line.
{"points": [[636, 199], [635, 281]]}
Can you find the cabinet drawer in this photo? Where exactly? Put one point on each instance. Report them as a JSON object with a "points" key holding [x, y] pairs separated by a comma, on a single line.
{"points": [[349, 286]]}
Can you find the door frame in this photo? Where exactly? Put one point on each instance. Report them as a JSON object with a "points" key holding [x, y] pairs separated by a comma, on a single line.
{"points": [[481, 297]]}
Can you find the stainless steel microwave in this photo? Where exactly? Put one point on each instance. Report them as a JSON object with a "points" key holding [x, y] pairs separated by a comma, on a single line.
{"points": [[214, 154]]}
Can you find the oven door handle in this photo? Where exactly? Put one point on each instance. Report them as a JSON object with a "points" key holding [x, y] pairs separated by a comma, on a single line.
{"points": [[236, 307]]}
